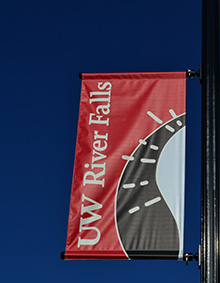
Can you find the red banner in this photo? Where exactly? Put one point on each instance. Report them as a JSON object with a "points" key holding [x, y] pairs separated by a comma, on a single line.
{"points": [[130, 136]]}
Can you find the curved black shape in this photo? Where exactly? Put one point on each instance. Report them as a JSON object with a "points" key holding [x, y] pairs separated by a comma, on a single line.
{"points": [[153, 228]]}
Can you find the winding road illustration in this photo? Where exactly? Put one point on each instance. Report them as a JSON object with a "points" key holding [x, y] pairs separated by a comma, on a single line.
{"points": [[145, 222]]}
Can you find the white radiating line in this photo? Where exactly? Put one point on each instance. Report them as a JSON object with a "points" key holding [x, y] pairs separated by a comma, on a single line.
{"points": [[170, 128], [134, 209], [129, 186], [142, 142], [173, 113], [146, 160], [153, 201], [144, 183], [154, 117], [154, 147], [179, 123], [127, 157]]}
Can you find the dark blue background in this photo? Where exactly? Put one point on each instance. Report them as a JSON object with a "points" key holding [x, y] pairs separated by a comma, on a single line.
{"points": [[43, 47]]}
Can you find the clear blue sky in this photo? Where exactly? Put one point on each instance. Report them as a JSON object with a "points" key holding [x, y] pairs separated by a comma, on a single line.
{"points": [[43, 47]]}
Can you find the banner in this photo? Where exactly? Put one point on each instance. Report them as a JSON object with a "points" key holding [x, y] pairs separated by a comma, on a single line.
{"points": [[127, 197]]}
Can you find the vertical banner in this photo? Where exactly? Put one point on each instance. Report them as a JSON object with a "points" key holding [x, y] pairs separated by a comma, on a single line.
{"points": [[127, 197]]}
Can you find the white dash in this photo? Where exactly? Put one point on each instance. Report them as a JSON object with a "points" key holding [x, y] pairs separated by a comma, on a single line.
{"points": [[134, 209], [173, 113], [142, 142], [146, 160], [179, 123], [154, 117], [144, 183], [169, 128], [154, 147], [129, 186], [153, 201], [126, 157]]}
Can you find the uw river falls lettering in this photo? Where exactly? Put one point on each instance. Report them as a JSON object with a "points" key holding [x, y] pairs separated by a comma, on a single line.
{"points": [[96, 169]]}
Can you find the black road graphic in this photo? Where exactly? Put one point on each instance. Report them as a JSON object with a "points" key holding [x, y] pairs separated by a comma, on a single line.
{"points": [[145, 223]]}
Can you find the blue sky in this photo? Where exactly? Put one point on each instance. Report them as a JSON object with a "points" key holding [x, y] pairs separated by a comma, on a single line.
{"points": [[43, 47]]}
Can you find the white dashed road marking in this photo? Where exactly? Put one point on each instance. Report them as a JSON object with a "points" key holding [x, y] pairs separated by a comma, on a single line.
{"points": [[173, 113], [147, 160], [153, 201], [154, 147], [158, 120], [169, 128], [179, 123], [129, 186], [142, 142], [127, 157], [134, 209], [144, 183]]}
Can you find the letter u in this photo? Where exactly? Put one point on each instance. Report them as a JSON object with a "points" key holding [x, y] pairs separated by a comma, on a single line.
{"points": [[89, 241]]}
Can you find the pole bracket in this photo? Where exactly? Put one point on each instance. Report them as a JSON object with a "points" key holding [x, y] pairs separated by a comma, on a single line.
{"points": [[191, 73], [189, 257]]}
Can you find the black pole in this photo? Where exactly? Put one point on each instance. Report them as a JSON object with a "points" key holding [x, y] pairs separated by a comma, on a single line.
{"points": [[210, 143]]}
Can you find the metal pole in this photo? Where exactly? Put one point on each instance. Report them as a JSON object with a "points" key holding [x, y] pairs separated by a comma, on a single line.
{"points": [[210, 143]]}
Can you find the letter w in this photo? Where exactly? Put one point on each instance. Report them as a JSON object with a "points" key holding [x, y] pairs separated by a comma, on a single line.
{"points": [[89, 209]]}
